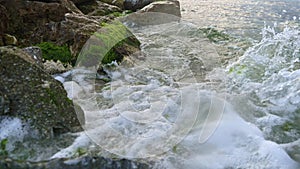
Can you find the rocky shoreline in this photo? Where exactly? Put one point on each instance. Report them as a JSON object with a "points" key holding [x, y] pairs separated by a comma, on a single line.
{"points": [[39, 38]]}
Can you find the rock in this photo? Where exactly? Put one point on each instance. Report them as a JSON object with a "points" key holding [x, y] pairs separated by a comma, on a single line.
{"points": [[79, 28], [36, 54], [59, 22], [47, 1], [35, 97], [167, 7], [87, 162], [53, 67], [118, 3], [70, 6], [156, 13], [86, 6], [3, 23], [9, 40], [82, 1], [4, 104], [112, 42], [133, 5], [102, 9], [99, 8], [25, 17]]}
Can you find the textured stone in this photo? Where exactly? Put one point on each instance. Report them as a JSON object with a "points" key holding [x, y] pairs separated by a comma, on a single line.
{"points": [[166, 7], [3, 23], [118, 3], [35, 53], [87, 162], [35, 97], [136, 4], [52, 67], [4, 104]]}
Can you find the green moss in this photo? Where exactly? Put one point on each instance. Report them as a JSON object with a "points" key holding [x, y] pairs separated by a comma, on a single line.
{"points": [[80, 151], [167, 116], [107, 45], [287, 126], [3, 151], [51, 51], [174, 149], [102, 24], [117, 14], [214, 35], [238, 69]]}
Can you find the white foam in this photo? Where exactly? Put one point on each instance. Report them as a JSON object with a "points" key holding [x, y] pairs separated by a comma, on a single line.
{"points": [[14, 130], [82, 141], [235, 144]]}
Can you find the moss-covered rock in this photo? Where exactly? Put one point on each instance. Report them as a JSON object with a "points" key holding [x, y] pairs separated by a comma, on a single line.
{"points": [[110, 43], [35, 97]]}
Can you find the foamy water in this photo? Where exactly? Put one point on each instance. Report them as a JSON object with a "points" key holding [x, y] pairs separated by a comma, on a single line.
{"points": [[161, 110], [180, 106]]}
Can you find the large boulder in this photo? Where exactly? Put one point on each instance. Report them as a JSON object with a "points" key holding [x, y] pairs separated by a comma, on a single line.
{"points": [[136, 4], [156, 13], [34, 96], [60, 22], [112, 42], [25, 17], [166, 7]]}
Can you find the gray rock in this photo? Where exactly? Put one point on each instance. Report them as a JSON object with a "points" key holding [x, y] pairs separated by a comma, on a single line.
{"points": [[136, 4], [156, 13], [36, 54], [167, 7], [118, 3], [35, 97], [53, 67]]}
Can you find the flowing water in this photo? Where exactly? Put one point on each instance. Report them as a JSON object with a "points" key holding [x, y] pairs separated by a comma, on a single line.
{"points": [[189, 102]]}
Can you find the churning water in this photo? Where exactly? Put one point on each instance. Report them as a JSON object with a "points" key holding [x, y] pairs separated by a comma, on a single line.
{"points": [[183, 103]]}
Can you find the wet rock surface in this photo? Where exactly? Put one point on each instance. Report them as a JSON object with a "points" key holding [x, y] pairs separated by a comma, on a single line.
{"points": [[87, 162], [35, 97]]}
